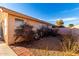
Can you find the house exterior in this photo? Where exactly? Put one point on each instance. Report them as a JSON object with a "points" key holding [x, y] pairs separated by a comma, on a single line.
{"points": [[9, 20]]}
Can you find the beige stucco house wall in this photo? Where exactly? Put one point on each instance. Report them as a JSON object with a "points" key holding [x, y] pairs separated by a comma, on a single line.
{"points": [[8, 23]]}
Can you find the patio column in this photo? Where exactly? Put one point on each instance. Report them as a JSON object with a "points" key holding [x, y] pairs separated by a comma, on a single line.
{"points": [[5, 27]]}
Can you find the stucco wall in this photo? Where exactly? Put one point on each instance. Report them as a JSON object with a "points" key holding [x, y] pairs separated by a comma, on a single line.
{"points": [[35, 23], [11, 27]]}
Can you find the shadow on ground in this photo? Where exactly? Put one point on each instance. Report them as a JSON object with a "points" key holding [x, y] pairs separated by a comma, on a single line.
{"points": [[50, 43], [35, 47]]}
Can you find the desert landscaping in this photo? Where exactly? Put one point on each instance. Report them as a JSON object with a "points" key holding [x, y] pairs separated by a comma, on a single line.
{"points": [[27, 36], [63, 44]]}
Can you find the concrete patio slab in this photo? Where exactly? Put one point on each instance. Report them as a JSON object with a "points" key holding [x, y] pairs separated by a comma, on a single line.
{"points": [[5, 50]]}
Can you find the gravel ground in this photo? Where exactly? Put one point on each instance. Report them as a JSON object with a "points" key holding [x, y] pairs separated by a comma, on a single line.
{"points": [[42, 47]]}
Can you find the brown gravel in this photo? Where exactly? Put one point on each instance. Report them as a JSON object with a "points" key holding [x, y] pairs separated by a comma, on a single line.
{"points": [[44, 46]]}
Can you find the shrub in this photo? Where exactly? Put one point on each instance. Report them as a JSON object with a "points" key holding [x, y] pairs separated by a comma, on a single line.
{"points": [[69, 43], [24, 31]]}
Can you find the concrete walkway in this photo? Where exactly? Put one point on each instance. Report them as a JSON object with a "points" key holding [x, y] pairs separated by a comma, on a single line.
{"points": [[5, 50]]}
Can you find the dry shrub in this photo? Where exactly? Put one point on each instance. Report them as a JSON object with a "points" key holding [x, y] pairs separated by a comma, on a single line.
{"points": [[69, 43]]}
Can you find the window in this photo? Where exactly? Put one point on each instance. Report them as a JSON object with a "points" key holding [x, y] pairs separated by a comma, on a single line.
{"points": [[18, 23]]}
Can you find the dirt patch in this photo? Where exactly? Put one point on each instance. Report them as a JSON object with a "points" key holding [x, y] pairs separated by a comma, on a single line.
{"points": [[44, 46]]}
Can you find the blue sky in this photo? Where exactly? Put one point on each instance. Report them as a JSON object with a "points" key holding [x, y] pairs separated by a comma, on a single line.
{"points": [[50, 12]]}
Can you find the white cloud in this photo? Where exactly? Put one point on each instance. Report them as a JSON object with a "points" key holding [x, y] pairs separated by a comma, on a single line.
{"points": [[74, 9], [70, 19], [67, 16], [66, 20], [51, 20]]}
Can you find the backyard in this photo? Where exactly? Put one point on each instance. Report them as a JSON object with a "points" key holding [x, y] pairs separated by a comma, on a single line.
{"points": [[58, 41], [49, 46]]}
